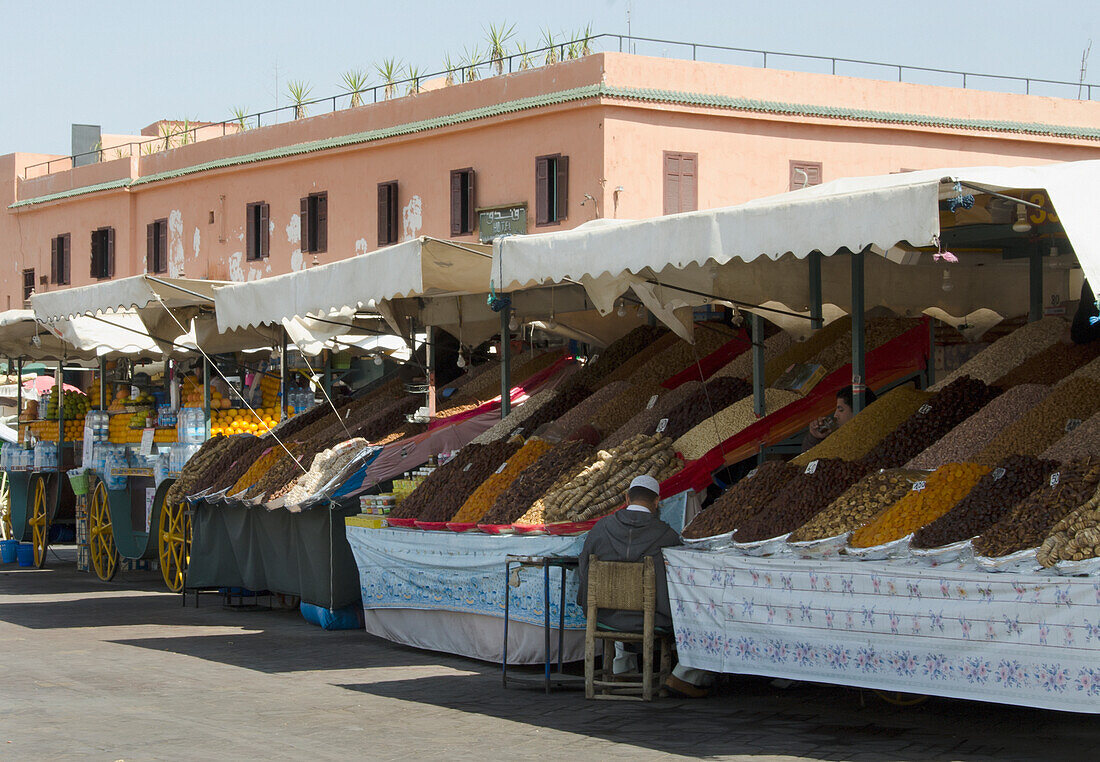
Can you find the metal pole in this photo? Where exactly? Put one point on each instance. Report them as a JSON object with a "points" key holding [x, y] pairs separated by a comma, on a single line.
{"points": [[430, 331], [60, 382], [206, 396], [327, 378], [816, 319], [930, 373], [102, 383], [858, 339], [1035, 285], [283, 378], [18, 395], [505, 364], [758, 406]]}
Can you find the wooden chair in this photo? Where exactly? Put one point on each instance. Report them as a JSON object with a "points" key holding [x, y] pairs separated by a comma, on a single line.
{"points": [[625, 587]]}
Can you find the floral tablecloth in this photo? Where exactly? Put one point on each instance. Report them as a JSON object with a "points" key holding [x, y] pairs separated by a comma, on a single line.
{"points": [[1023, 639]]}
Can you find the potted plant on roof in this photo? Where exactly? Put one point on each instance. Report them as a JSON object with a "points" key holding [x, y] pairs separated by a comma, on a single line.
{"points": [[389, 71], [240, 116], [526, 61], [413, 75], [551, 46], [354, 81], [471, 61], [498, 37], [299, 91], [449, 69]]}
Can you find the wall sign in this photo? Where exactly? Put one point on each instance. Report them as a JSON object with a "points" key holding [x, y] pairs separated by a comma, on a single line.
{"points": [[496, 221]]}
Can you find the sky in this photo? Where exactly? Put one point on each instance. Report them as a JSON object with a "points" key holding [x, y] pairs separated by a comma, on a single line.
{"points": [[124, 65]]}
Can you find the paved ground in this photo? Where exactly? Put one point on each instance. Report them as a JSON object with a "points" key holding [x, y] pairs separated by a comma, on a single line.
{"points": [[96, 671]]}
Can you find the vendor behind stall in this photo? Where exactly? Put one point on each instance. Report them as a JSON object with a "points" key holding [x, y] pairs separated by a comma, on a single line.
{"points": [[843, 413]]}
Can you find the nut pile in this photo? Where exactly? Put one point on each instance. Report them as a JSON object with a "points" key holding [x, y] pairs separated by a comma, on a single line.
{"points": [[617, 353], [923, 504], [1014, 478], [1082, 441], [1051, 364], [326, 466], [482, 499], [965, 441], [645, 422], [439, 496], [1074, 538], [1089, 370], [623, 407], [802, 351], [1008, 351], [951, 406], [515, 418], [1044, 424], [866, 430], [207, 459], [583, 412], [259, 466], [878, 331], [715, 395], [1030, 521], [648, 353], [565, 398], [800, 499], [741, 366], [600, 487], [709, 337], [741, 501], [730, 420], [535, 480], [859, 505]]}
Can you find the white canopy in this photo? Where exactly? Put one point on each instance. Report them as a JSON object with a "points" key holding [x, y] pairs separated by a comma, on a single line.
{"points": [[83, 337], [884, 213], [124, 294], [422, 267]]}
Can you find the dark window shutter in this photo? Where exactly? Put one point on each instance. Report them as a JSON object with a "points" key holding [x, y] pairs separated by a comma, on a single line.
{"points": [[322, 222], [53, 260], [456, 201], [383, 214], [95, 270], [561, 205], [689, 182], [303, 223], [395, 208], [162, 246], [110, 252], [251, 237], [542, 191], [151, 247], [671, 173], [265, 229], [66, 257], [471, 201]]}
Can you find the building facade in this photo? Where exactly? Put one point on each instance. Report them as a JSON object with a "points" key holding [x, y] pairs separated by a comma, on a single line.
{"points": [[608, 135]]}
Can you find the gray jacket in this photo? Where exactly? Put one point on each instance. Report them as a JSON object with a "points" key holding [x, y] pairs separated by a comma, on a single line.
{"points": [[629, 536]]}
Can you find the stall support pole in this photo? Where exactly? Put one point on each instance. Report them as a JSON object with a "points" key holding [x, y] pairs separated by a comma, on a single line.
{"points": [[814, 262], [758, 406], [206, 395], [283, 377], [930, 371], [505, 365], [326, 380], [102, 383], [18, 396], [60, 382], [858, 338], [1035, 285], [430, 331]]}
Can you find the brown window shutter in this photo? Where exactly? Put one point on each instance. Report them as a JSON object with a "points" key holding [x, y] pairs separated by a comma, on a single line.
{"points": [[162, 246], [689, 182], [383, 214], [94, 271], [303, 223], [265, 229], [110, 252], [395, 211], [66, 257], [53, 260], [671, 182], [561, 207], [456, 201], [471, 202], [322, 222], [151, 247], [250, 236], [542, 191]]}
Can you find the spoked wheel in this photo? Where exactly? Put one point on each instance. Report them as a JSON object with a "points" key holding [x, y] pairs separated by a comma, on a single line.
{"points": [[174, 545], [40, 522], [101, 536], [6, 532], [901, 699]]}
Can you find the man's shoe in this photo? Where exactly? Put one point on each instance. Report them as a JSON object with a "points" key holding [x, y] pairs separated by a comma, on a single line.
{"points": [[684, 689]]}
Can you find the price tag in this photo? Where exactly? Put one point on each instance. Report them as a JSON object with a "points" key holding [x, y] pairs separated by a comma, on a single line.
{"points": [[1055, 478], [404, 452], [147, 441], [811, 467], [919, 486], [594, 357], [86, 450], [998, 473], [652, 402], [503, 466], [924, 409], [517, 432], [752, 473], [467, 468], [662, 425], [1072, 424]]}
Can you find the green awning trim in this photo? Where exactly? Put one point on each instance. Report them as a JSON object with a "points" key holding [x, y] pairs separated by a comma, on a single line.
{"points": [[674, 97]]}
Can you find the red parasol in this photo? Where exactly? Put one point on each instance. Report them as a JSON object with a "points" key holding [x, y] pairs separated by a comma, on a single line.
{"points": [[43, 384]]}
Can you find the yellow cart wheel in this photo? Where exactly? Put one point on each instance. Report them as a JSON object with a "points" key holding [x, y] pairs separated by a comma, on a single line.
{"points": [[101, 536], [901, 699], [174, 545], [40, 522], [6, 532]]}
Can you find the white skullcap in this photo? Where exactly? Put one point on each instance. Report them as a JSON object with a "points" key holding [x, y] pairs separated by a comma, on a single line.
{"points": [[646, 482]]}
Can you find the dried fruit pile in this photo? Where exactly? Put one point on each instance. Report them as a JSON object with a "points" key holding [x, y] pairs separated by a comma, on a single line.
{"points": [[800, 499], [206, 461], [1050, 365], [583, 412], [709, 337], [564, 459], [259, 467], [731, 420], [866, 430], [1032, 519], [1076, 537], [951, 406], [741, 501], [741, 366], [483, 498], [645, 422], [878, 331], [665, 342], [623, 407], [1014, 478], [715, 395], [1008, 351], [1046, 423], [923, 504], [1081, 442], [441, 494], [326, 466], [965, 441], [515, 418], [859, 505], [802, 351]]}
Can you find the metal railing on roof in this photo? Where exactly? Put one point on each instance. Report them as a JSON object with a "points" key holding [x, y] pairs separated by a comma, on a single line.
{"points": [[550, 54]]}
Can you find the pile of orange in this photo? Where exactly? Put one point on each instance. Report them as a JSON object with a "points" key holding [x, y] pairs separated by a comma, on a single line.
{"points": [[242, 420]]}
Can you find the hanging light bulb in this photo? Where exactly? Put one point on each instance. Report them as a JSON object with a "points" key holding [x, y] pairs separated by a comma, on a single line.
{"points": [[550, 323], [461, 361], [621, 312], [377, 359], [947, 284], [513, 324], [641, 310], [1021, 225]]}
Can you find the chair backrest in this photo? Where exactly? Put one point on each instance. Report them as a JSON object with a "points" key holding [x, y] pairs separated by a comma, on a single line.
{"points": [[621, 585]]}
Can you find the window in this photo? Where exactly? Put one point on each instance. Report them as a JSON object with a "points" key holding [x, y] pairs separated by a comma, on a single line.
{"points": [[681, 187], [259, 230], [551, 189], [314, 222], [60, 256], [387, 213], [103, 253], [804, 174], [156, 247], [463, 218], [28, 283]]}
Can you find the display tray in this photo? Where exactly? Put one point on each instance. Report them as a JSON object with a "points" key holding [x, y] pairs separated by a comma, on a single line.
{"points": [[432, 526], [714, 542], [529, 528], [827, 547], [766, 547], [402, 523], [892, 549], [462, 526], [567, 528], [498, 528]]}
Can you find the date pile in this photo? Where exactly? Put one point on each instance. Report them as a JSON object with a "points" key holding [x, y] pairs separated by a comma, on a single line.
{"points": [[860, 435], [1050, 365], [741, 501], [439, 496], [708, 400], [800, 499], [1074, 538], [646, 420], [1008, 351], [1014, 478], [1082, 441], [1046, 423], [535, 480], [482, 499], [582, 413], [859, 505], [1032, 519]]}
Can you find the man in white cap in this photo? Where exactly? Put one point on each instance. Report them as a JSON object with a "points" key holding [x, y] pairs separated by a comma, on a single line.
{"points": [[630, 535]]}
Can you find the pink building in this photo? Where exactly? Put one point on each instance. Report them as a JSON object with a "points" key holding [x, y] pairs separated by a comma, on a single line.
{"points": [[607, 135]]}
